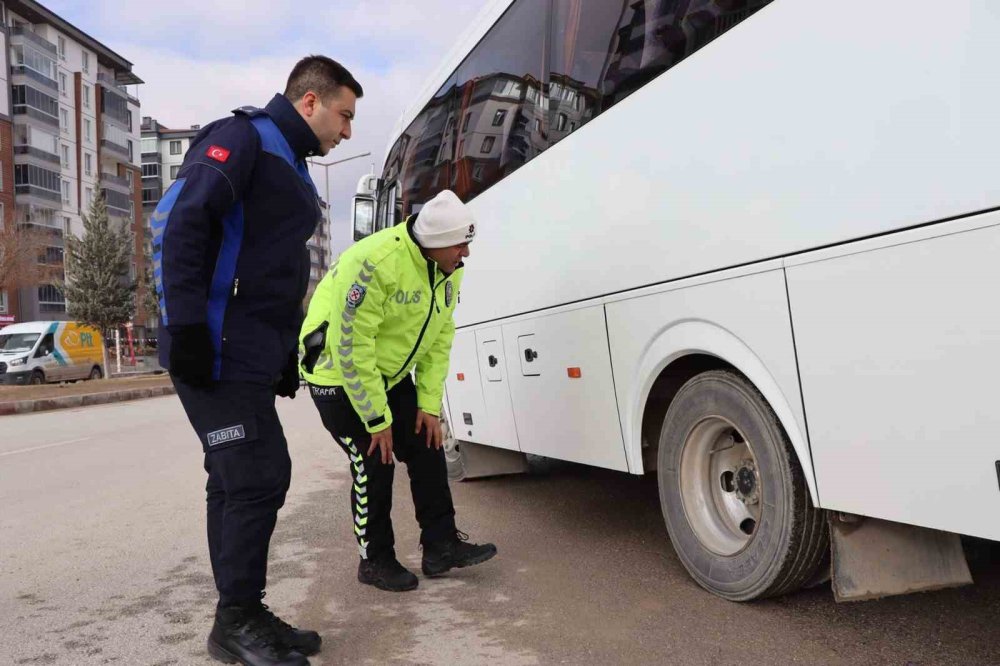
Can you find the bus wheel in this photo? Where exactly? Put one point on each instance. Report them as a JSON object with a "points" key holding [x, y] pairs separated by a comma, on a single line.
{"points": [[37, 377], [732, 493], [96, 373], [452, 452]]}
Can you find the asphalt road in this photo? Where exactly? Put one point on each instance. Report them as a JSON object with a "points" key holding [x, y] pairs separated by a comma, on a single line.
{"points": [[103, 561]]}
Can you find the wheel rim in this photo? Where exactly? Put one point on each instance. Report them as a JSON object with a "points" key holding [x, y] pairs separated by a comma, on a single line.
{"points": [[720, 486], [95, 374]]}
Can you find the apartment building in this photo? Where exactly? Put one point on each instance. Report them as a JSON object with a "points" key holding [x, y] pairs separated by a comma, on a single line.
{"points": [[69, 130]]}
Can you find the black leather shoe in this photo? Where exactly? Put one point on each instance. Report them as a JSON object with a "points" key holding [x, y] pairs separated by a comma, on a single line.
{"points": [[302, 641], [386, 573], [246, 636], [441, 556]]}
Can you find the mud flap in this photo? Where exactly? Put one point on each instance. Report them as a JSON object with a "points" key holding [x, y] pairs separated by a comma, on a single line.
{"points": [[876, 558], [480, 461]]}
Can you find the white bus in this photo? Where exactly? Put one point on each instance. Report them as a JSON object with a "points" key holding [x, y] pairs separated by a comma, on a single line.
{"points": [[751, 247]]}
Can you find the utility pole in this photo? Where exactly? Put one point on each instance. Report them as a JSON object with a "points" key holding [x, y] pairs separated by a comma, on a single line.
{"points": [[326, 169]]}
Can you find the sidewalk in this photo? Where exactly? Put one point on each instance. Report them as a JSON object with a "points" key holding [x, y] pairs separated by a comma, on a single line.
{"points": [[29, 399]]}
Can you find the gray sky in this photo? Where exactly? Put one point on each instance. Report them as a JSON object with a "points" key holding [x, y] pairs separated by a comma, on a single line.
{"points": [[200, 59]]}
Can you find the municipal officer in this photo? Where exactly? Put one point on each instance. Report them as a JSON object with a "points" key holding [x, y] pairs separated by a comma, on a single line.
{"points": [[232, 269], [385, 309]]}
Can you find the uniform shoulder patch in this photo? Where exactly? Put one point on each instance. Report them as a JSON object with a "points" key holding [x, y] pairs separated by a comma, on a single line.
{"points": [[356, 295], [217, 153]]}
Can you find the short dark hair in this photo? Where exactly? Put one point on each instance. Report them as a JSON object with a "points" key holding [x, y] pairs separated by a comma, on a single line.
{"points": [[321, 75]]}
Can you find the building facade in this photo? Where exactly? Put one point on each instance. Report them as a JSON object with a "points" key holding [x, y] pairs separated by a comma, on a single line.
{"points": [[73, 128]]}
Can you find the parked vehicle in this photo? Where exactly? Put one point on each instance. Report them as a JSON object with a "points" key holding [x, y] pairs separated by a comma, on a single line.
{"points": [[37, 352]]}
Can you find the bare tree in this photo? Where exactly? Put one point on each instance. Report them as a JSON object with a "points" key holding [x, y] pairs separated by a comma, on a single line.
{"points": [[22, 251]]}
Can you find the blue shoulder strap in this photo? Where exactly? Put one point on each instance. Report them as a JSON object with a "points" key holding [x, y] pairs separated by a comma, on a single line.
{"points": [[274, 142]]}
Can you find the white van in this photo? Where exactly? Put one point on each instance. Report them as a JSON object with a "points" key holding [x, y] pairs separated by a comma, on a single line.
{"points": [[37, 352]]}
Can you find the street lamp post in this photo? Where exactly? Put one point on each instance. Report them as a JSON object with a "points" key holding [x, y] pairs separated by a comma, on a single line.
{"points": [[326, 169]]}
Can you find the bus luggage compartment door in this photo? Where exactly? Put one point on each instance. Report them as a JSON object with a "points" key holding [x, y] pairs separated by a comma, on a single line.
{"points": [[496, 391], [559, 369]]}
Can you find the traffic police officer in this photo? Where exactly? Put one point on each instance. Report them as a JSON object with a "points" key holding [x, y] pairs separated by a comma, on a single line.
{"points": [[231, 269], [385, 309]]}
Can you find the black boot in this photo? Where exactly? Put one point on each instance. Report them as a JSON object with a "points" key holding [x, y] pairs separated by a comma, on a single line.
{"points": [[386, 573], [440, 556], [302, 641], [246, 636]]}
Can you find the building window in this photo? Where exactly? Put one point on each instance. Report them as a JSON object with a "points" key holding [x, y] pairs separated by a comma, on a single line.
{"points": [[86, 97], [175, 147], [149, 145], [128, 179], [88, 129], [65, 192], [62, 84], [86, 62], [65, 156], [88, 164], [64, 120], [151, 170], [538, 125], [477, 173], [499, 117], [61, 42], [131, 150], [465, 123], [89, 194], [488, 144], [51, 299], [3, 299], [174, 170], [561, 121], [66, 225]]}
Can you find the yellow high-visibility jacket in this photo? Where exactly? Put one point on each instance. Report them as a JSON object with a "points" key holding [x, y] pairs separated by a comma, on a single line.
{"points": [[389, 310]]}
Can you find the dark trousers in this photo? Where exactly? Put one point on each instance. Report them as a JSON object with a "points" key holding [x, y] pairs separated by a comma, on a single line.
{"points": [[249, 471], [371, 492]]}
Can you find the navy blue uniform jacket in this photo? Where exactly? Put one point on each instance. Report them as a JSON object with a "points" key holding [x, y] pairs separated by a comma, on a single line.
{"points": [[229, 240]]}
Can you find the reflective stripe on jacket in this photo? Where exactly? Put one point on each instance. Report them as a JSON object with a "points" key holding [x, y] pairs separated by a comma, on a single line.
{"points": [[388, 310]]}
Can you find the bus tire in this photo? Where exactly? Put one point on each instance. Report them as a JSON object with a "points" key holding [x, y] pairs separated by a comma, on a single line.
{"points": [[96, 373], [733, 496], [37, 377]]}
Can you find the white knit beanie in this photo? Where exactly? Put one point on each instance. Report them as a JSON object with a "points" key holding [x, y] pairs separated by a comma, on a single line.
{"points": [[444, 221]]}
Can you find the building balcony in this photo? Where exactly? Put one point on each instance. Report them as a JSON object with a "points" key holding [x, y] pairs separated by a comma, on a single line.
{"points": [[152, 158], [43, 196], [110, 84], [21, 35], [37, 114], [22, 74], [117, 202], [37, 153], [118, 183], [111, 146]]}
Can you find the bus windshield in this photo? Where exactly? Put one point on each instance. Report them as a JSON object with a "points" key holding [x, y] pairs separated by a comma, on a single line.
{"points": [[17, 342]]}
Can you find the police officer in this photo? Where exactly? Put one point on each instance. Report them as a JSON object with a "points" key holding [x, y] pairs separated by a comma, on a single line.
{"points": [[385, 309], [231, 268]]}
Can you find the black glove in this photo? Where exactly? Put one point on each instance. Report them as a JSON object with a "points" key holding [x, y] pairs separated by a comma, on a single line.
{"points": [[289, 382], [192, 356]]}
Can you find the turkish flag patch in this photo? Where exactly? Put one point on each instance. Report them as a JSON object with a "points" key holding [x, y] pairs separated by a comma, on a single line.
{"points": [[218, 153]]}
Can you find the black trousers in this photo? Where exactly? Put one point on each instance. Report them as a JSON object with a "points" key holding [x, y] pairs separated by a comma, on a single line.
{"points": [[249, 471], [371, 492]]}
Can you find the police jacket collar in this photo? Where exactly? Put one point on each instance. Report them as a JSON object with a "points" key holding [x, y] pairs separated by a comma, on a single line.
{"points": [[297, 132]]}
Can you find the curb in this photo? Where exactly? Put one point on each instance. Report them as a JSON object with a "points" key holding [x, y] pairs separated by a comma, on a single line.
{"points": [[86, 400]]}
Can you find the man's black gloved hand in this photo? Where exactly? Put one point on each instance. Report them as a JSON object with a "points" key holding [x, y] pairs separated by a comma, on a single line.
{"points": [[192, 356], [289, 382]]}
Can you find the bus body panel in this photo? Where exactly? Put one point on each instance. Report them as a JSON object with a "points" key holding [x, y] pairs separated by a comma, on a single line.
{"points": [[809, 124], [559, 414], [741, 319], [899, 349]]}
